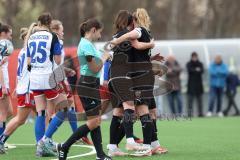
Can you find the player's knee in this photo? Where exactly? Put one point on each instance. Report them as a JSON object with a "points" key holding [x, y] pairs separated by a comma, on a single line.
{"points": [[97, 121], [118, 112], [153, 113], [94, 122], [129, 105], [60, 102], [142, 110]]}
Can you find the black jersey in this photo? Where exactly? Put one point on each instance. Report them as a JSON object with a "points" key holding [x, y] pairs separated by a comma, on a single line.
{"points": [[143, 75], [143, 55], [123, 48], [119, 83]]}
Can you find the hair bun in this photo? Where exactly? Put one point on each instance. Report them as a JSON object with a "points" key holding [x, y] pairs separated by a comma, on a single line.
{"points": [[24, 29]]}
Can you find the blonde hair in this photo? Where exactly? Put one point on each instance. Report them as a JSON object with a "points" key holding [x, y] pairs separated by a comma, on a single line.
{"points": [[142, 18], [23, 33], [30, 31]]}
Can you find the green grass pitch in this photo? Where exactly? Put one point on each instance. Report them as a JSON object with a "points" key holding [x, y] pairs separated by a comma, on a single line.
{"points": [[198, 139]]}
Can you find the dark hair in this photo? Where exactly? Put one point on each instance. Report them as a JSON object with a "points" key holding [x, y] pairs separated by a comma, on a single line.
{"points": [[194, 54], [88, 25], [122, 20], [5, 28], [45, 19], [130, 19]]}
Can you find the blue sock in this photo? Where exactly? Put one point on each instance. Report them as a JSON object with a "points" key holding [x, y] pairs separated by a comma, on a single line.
{"points": [[40, 125], [56, 121], [2, 127], [72, 118], [3, 138]]}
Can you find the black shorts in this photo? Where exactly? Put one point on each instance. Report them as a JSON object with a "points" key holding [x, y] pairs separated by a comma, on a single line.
{"points": [[144, 86], [152, 104], [118, 97], [88, 91], [149, 102]]}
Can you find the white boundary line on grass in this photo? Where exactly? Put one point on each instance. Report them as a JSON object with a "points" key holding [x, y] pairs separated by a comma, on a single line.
{"points": [[92, 152]]}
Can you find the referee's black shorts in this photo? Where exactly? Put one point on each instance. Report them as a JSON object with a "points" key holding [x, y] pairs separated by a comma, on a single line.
{"points": [[88, 91]]}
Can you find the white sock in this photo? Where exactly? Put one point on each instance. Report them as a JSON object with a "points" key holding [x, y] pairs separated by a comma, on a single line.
{"points": [[155, 144], [45, 138], [147, 146], [112, 146], [130, 141]]}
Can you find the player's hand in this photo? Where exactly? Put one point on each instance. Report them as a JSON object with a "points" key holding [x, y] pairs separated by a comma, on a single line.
{"points": [[158, 57], [105, 83], [114, 42], [160, 73], [108, 47], [198, 69], [71, 73], [106, 56]]}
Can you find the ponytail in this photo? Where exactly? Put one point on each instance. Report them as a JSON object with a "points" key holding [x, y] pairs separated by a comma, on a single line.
{"points": [[30, 30], [88, 25], [83, 29], [45, 19]]}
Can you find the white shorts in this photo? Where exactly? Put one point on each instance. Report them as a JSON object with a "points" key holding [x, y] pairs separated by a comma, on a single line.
{"points": [[42, 81]]}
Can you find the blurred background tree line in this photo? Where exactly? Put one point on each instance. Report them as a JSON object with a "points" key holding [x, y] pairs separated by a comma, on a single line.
{"points": [[171, 19]]}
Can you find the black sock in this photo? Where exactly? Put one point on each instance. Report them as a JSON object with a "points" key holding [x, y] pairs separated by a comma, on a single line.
{"points": [[50, 120], [97, 141], [80, 132], [128, 119], [147, 128], [3, 138], [121, 133], [114, 129], [154, 131]]}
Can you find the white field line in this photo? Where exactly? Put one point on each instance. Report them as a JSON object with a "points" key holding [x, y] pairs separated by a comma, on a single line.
{"points": [[92, 152]]}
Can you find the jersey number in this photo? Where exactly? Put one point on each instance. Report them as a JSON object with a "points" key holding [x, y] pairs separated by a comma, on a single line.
{"points": [[21, 61], [40, 49]]}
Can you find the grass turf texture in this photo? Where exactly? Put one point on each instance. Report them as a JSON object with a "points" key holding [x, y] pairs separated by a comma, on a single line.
{"points": [[198, 139]]}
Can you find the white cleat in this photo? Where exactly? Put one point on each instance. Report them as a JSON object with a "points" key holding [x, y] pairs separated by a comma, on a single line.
{"points": [[117, 152], [159, 150], [2, 149], [147, 152], [209, 114], [220, 114], [134, 147]]}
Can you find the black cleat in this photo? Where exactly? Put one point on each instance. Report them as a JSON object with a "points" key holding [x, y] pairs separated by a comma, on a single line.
{"points": [[104, 157], [62, 154]]}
